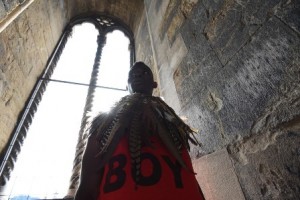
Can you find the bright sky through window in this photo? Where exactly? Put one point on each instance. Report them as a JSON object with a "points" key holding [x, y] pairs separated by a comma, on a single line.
{"points": [[44, 166], [113, 71]]}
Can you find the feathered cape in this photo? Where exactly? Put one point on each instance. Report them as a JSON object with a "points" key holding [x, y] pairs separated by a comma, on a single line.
{"points": [[141, 116]]}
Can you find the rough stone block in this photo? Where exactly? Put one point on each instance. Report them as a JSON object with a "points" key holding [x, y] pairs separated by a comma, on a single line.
{"points": [[177, 12], [4, 53], [28, 46], [36, 24], [289, 12], [192, 33], [252, 80], [216, 177], [201, 63], [183, 85], [206, 121], [17, 46], [2, 11], [7, 124], [271, 172], [3, 84], [241, 19], [10, 4], [228, 105], [143, 44], [195, 74], [57, 19], [167, 16], [7, 92], [176, 23]]}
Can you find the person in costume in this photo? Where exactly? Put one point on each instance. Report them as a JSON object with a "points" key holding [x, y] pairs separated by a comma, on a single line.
{"points": [[139, 150]]}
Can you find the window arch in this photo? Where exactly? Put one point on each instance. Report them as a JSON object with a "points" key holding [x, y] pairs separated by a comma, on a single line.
{"points": [[106, 26]]}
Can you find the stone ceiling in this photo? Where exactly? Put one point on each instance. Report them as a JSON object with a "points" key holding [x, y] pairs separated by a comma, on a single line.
{"points": [[129, 11]]}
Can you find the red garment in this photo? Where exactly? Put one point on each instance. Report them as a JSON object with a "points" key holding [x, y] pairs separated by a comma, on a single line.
{"points": [[162, 177]]}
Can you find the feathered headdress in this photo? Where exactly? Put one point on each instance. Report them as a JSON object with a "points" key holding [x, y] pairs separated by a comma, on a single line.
{"points": [[141, 116]]}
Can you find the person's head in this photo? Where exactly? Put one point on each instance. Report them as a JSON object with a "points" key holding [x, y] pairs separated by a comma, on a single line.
{"points": [[140, 79]]}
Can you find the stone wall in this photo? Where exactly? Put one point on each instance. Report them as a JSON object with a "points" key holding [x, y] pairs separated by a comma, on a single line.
{"points": [[7, 7], [143, 48], [25, 46], [232, 68]]}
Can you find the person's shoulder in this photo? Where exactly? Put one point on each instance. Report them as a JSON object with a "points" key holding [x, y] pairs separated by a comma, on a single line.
{"points": [[100, 116], [95, 123]]}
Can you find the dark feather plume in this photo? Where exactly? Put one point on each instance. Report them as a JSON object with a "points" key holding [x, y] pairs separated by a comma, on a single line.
{"points": [[141, 116]]}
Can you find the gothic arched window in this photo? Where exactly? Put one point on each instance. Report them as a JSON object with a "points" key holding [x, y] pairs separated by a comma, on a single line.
{"points": [[86, 73]]}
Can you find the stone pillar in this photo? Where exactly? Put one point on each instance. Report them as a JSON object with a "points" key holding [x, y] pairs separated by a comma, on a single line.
{"points": [[132, 52]]}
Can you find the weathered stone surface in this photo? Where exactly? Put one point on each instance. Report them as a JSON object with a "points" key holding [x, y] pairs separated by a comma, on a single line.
{"points": [[143, 43], [247, 101], [241, 19], [165, 55], [7, 116], [2, 11], [289, 12], [3, 83], [144, 50], [191, 80], [223, 186], [24, 55], [201, 63], [192, 32], [251, 81], [176, 13], [262, 158], [5, 54], [42, 16], [7, 124], [271, 172], [207, 122], [171, 8], [128, 11], [10, 4], [195, 73], [56, 17], [23, 33], [41, 39]]}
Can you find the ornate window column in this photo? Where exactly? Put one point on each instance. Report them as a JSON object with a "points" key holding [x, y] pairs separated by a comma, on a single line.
{"points": [[105, 25], [82, 138]]}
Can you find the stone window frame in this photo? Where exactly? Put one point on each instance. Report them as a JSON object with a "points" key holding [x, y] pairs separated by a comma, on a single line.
{"points": [[104, 24]]}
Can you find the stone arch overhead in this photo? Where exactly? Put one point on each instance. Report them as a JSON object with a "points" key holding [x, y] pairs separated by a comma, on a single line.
{"points": [[105, 23]]}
